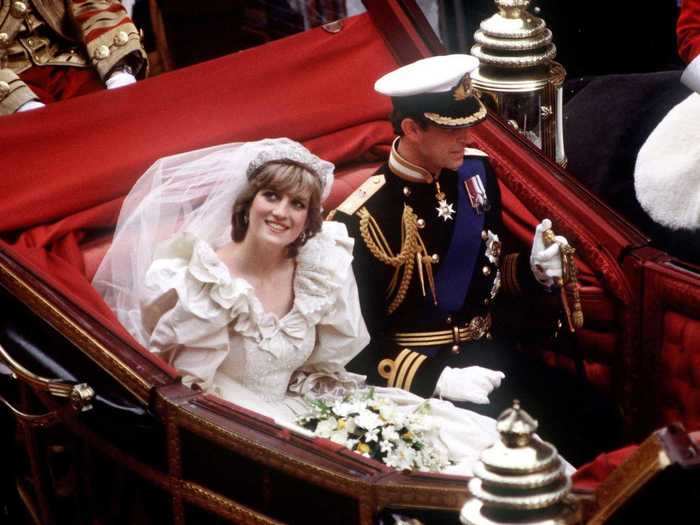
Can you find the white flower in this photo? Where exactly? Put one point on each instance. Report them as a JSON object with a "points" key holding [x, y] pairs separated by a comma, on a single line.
{"points": [[368, 420], [402, 457], [341, 409], [386, 446], [326, 427], [345, 408], [405, 440], [390, 414], [372, 435], [387, 411], [351, 426], [339, 436], [389, 433]]}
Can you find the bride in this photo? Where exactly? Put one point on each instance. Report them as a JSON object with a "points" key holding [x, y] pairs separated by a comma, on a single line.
{"points": [[222, 266]]}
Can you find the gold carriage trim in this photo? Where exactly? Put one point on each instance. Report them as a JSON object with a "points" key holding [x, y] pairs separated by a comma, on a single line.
{"points": [[400, 372], [477, 328], [441, 120]]}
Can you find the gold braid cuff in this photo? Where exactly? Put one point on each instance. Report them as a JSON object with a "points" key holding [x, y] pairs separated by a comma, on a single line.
{"points": [[400, 372], [379, 247]]}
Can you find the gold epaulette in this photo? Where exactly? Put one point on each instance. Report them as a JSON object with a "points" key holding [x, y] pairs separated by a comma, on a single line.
{"points": [[400, 372], [362, 194], [473, 152]]}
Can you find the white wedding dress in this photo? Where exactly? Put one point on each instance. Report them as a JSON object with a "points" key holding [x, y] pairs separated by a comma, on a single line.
{"points": [[211, 327]]}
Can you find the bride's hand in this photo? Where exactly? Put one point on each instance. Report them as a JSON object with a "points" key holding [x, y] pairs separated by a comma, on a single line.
{"points": [[473, 384]]}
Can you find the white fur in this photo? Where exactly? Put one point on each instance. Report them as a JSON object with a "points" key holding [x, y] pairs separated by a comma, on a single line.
{"points": [[667, 172]]}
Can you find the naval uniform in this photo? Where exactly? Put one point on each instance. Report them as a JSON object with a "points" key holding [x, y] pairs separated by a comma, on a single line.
{"points": [[415, 330], [427, 286]]}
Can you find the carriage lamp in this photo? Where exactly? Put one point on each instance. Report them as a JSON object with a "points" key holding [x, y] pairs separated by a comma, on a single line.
{"points": [[518, 77], [520, 479]]}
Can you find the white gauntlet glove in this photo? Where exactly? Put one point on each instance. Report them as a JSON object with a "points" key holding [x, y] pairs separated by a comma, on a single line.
{"points": [[32, 104], [545, 261], [691, 75], [120, 79], [473, 384]]}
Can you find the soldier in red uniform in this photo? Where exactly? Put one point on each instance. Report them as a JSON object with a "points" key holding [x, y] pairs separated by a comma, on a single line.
{"points": [[666, 170], [53, 50]]}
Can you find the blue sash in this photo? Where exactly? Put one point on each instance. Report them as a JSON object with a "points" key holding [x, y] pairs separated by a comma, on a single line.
{"points": [[456, 271]]}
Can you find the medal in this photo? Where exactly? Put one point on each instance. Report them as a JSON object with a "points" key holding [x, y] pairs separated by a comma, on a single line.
{"points": [[476, 193], [445, 210]]}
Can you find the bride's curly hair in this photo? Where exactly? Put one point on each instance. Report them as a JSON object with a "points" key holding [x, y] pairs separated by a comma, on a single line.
{"points": [[282, 176]]}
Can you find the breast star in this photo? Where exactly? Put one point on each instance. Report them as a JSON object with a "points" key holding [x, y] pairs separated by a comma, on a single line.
{"points": [[445, 210]]}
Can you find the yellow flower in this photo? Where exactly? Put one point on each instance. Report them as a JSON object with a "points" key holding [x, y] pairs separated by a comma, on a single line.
{"points": [[341, 424], [407, 436], [362, 448]]}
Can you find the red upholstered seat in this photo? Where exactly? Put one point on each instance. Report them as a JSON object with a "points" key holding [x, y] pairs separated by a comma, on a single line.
{"points": [[598, 340], [680, 370]]}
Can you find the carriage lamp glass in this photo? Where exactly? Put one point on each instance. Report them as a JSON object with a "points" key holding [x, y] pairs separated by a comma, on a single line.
{"points": [[518, 77]]}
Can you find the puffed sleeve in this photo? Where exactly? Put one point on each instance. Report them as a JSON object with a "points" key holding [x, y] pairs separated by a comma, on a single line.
{"points": [[341, 332], [190, 344], [188, 310]]}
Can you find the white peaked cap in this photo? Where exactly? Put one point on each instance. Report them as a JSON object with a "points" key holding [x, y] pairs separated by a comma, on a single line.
{"points": [[437, 74]]}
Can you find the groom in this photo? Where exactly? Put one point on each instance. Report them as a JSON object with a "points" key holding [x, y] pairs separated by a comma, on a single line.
{"points": [[428, 260]]}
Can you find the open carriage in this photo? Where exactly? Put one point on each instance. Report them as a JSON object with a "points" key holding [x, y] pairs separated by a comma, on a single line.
{"points": [[112, 436]]}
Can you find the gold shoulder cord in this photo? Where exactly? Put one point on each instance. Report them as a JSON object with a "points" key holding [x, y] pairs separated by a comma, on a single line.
{"points": [[412, 247]]}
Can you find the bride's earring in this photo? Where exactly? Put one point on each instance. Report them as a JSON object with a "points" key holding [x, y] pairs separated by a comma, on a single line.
{"points": [[302, 237], [245, 219]]}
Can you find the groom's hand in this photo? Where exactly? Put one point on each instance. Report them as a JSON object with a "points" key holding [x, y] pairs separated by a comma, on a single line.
{"points": [[545, 261], [473, 384]]}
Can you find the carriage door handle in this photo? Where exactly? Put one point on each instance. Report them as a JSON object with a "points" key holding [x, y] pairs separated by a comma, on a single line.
{"points": [[79, 395]]}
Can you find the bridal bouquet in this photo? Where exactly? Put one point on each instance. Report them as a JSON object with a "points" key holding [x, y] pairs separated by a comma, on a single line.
{"points": [[376, 428]]}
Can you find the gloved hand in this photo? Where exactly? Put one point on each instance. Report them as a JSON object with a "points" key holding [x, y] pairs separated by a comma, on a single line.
{"points": [[545, 261], [32, 104], [691, 75], [473, 384], [120, 79]]}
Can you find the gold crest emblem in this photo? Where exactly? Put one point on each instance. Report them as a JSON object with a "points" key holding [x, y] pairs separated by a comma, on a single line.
{"points": [[462, 91]]}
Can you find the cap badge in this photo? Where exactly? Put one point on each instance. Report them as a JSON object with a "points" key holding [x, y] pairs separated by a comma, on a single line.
{"points": [[463, 91]]}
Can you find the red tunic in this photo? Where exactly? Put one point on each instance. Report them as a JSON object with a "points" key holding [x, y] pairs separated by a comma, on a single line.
{"points": [[688, 30]]}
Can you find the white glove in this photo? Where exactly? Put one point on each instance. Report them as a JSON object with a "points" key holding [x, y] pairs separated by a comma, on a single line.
{"points": [[691, 75], [545, 262], [473, 384], [28, 106], [120, 79]]}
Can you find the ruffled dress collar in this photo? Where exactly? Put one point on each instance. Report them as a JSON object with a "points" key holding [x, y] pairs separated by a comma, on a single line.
{"points": [[323, 264]]}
